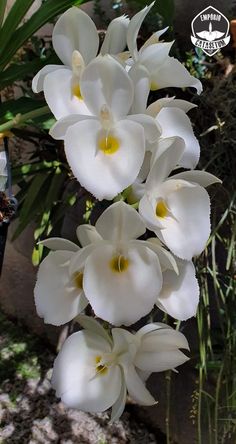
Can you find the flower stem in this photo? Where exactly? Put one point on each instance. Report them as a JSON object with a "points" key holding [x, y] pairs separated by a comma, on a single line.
{"points": [[20, 119], [135, 205]]}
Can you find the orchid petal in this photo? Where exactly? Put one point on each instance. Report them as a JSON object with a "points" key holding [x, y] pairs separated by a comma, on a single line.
{"points": [[191, 214], [179, 296], [160, 361], [38, 80], [136, 192], [58, 243], [57, 299], [161, 339], [166, 259], [153, 56], [151, 328], [172, 73], [59, 97], [182, 104], [174, 122], [145, 168], [154, 108], [105, 82], [58, 130], [136, 387], [202, 178], [92, 325], [146, 211], [119, 406], [140, 78], [171, 152], [169, 102], [115, 38], [75, 30], [120, 222], [87, 234], [124, 344], [151, 128], [79, 259], [133, 30], [154, 38]]}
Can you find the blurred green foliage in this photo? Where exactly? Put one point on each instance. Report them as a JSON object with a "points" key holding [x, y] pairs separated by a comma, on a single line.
{"points": [[42, 179]]}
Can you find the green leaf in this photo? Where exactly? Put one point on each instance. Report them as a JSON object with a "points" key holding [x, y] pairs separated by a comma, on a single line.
{"points": [[21, 195], [28, 169], [13, 19], [43, 225], [33, 201], [18, 71], [45, 14], [39, 198], [37, 255], [3, 4], [57, 181], [10, 108]]}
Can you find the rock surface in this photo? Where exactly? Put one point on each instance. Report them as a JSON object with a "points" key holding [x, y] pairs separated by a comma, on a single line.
{"points": [[29, 410]]}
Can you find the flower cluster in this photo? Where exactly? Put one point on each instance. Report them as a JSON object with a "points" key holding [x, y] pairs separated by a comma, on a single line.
{"points": [[117, 147]]}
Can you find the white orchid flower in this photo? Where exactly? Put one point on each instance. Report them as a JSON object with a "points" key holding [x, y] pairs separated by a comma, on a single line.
{"points": [[105, 152], [3, 170], [122, 276], [170, 115], [59, 296], [94, 371], [151, 66], [75, 40], [177, 208]]}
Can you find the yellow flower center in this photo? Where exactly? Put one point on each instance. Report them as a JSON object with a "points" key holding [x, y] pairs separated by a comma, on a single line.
{"points": [[153, 86], [161, 209], [100, 368], [76, 91], [78, 280], [109, 144], [119, 264]]}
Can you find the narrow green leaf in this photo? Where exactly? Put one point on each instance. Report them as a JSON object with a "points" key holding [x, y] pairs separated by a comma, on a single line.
{"points": [[22, 193], [37, 255], [57, 180], [13, 19], [43, 225], [3, 4], [33, 202], [33, 193], [18, 71], [10, 108], [29, 169], [45, 14]]}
